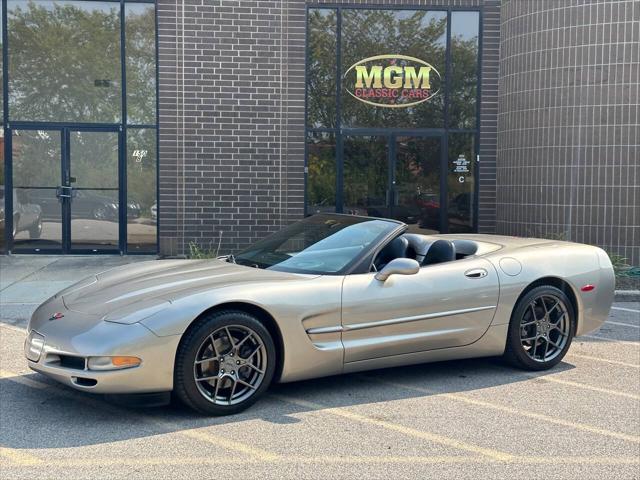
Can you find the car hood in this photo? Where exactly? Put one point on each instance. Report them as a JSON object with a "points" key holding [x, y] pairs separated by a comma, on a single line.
{"points": [[147, 287]]}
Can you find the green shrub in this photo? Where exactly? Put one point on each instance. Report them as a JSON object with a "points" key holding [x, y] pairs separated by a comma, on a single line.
{"points": [[620, 265]]}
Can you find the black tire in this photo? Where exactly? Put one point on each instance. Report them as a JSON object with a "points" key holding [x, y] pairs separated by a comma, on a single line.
{"points": [[35, 231], [516, 353], [185, 387]]}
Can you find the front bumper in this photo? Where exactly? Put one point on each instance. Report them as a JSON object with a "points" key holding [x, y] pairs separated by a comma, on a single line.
{"points": [[67, 342]]}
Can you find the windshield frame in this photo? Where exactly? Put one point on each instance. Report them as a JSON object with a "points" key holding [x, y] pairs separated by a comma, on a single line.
{"points": [[395, 228]]}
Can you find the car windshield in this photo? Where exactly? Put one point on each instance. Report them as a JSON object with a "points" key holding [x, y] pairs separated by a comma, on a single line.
{"points": [[324, 244]]}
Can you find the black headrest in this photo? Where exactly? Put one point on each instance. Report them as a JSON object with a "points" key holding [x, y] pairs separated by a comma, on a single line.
{"points": [[440, 251], [419, 244], [397, 248]]}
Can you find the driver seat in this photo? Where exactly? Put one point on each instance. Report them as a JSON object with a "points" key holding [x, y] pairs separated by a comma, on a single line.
{"points": [[440, 251], [396, 248]]}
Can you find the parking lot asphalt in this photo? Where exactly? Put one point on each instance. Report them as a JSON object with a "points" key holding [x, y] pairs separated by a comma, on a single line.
{"points": [[464, 419]]}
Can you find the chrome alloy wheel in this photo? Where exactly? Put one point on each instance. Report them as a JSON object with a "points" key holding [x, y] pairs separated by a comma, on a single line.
{"points": [[230, 365], [545, 328]]}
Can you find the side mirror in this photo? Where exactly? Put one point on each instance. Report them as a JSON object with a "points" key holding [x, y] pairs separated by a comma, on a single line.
{"points": [[399, 266]]}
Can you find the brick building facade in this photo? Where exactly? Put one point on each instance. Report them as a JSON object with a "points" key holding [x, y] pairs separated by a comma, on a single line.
{"points": [[214, 123], [232, 117]]}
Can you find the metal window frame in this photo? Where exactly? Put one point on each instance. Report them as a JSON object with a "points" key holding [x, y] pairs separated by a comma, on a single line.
{"points": [[120, 127], [339, 131]]}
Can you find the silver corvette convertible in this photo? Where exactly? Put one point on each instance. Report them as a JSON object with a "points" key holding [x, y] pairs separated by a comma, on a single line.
{"points": [[327, 295]]}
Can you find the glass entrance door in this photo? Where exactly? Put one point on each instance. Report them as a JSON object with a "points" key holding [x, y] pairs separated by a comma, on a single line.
{"points": [[394, 176], [92, 183], [366, 175], [66, 196], [417, 175], [37, 210]]}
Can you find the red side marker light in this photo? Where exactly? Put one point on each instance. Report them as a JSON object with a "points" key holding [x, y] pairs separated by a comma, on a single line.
{"points": [[588, 288]]}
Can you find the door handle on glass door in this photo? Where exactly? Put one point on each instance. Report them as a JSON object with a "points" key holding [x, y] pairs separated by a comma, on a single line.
{"points": [[476, 273], [61, 192]]}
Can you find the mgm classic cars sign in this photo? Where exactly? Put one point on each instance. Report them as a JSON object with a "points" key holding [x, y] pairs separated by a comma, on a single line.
{"points": [[392, 81]]}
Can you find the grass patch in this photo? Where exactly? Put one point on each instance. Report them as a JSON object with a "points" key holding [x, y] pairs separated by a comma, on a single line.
{"points": [[198, 252]]}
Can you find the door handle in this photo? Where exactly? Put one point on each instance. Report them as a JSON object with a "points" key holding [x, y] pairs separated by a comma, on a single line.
{"points": [[476, 273], [61, 192]]}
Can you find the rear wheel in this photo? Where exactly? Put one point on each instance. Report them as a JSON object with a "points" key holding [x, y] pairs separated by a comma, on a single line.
{"points": [[224, 363], [542, 327]]}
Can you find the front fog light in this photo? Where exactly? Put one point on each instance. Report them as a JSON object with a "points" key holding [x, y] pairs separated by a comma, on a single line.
{"points": [[112, 363]]}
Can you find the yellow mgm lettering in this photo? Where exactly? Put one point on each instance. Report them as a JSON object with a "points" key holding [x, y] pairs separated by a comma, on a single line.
{"points": [[392, 76]]}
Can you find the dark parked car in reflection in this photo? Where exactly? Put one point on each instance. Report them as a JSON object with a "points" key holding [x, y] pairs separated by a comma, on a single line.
{"points": [[84, 204], [27, 217], [408, 208], [459, 214]]}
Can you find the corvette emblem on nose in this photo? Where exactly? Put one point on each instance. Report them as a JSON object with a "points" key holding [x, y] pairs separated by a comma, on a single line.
{"points": [[56, 316]]}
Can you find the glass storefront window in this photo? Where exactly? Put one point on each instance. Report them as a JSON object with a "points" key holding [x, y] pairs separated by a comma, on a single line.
{"points": [[322, 69], [141, 190], [3, 246], [464, 69], [1, 73], [393, 68], [387, 122], [64, 61], [64, 64], [140, 54], [321, 173]]}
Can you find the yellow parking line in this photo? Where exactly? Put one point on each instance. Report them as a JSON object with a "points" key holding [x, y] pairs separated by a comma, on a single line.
{"points": [[626, 309], [515, 411], [605, 360], [412, 432], [609, 340], [622, 324], [18, 457], [197, 434], [207, 437], [584, 386], [581, 460], [328, 459]]}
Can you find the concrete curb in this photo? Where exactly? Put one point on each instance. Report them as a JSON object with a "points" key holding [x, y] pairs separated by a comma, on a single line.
{"points": [[627, 296]]}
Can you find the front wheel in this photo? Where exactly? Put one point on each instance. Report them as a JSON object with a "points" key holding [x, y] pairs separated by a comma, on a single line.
{"points": [[224, 363], [542, 326]]}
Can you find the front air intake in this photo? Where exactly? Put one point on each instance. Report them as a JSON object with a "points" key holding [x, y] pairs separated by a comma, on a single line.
{"points": [[84, 382]]}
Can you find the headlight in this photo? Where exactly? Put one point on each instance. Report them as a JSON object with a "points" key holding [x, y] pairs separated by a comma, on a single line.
{"points": [[33, 346], [112, 363]]}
